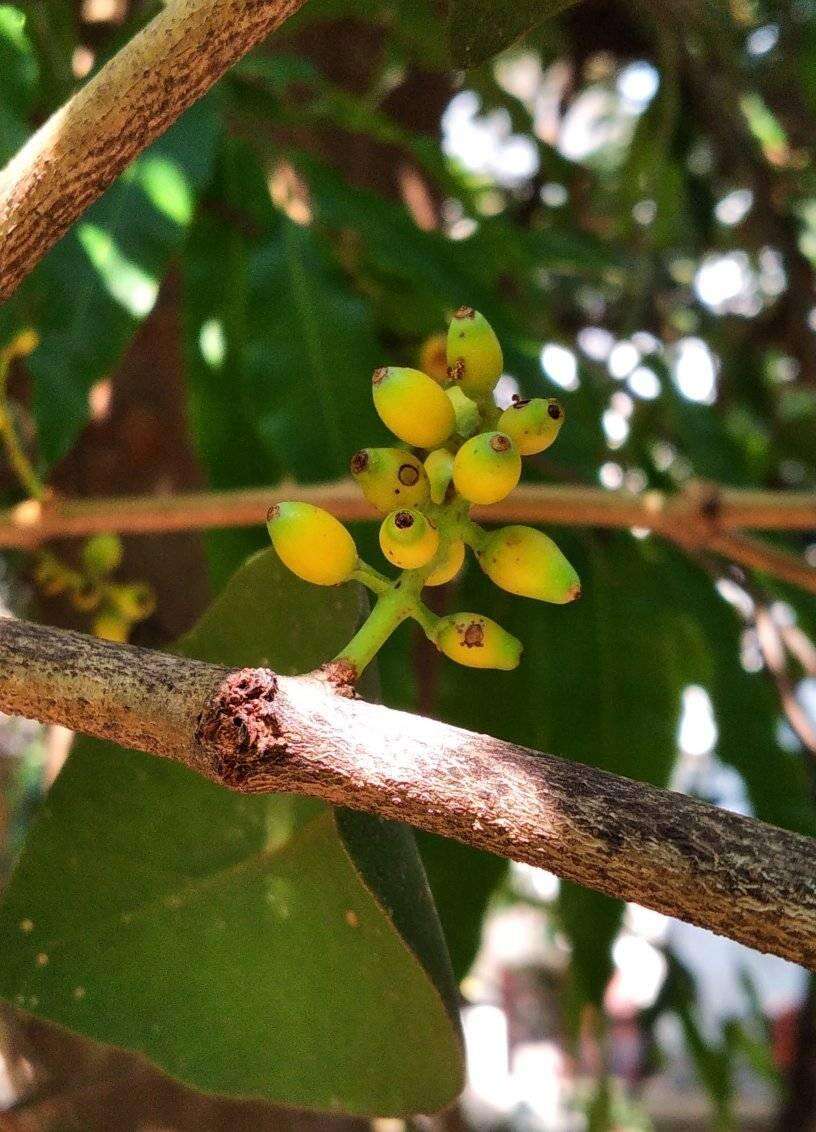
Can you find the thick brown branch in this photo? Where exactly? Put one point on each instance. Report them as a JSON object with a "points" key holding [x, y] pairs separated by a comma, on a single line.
{"points": [[76, 154], [253, 731]]}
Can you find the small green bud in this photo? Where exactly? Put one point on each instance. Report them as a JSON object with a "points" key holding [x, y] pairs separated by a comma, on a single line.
{"points": [[390, 477], [408, 540], [474, 355], [526, 562], [487, 467], [439, 471], [533, 425], [467, 411], [102, 554], [477, 642], [312, 543], [412, 406]]}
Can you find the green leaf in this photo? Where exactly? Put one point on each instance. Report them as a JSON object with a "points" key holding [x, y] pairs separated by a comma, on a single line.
{"points": [[478, 29], [251, 946], [462, 881], [18, 80], [115, 259], [279, 349]]}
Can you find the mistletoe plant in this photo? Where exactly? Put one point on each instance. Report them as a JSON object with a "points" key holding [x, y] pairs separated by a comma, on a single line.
{"points": [[470, 453]]}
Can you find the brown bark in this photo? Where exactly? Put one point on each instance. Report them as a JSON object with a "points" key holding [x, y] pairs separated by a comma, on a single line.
{"points": [[253, 731], [136, 96]]}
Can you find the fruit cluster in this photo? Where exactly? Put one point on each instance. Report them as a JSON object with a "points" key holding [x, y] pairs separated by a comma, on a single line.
{"points": [[470, 453], [114, 606]]}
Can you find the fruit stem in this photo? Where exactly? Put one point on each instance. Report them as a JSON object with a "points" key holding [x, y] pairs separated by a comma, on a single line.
{"points": [[472, 534], [369, 577], [393, 605]]}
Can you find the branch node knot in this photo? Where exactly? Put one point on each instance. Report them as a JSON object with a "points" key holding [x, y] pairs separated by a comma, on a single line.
{"points": [[239, 727]]}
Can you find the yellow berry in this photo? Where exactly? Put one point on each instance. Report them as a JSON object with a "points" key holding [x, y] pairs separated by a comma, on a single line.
{"points": [[533, 425], [413, 406], [439, 471], [390, 477], [312, 543], [102, 554], [111, 627], [134, 602], [433, 358], [526, 562], [477, 642], [408, 540], [474, 354], [487, 467], [450, 565], [466, 411]]}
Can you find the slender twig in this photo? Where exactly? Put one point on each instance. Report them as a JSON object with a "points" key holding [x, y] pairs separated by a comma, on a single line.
{"points": [[757, 554], [253, 731], [705, 516], [135, 97], [29, 525]]}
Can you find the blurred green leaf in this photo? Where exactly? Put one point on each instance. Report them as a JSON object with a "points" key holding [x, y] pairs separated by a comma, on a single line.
{"points": [[18, 80], [478, 29], [252, 946], [115, 258]]}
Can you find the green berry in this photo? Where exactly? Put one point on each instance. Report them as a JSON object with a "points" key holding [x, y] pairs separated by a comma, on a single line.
{"points": [[390, 477], [450, 564], [467, 411], [474, 354], [526, 562], [413, 406], [102, 554], [134, 602], [52, 577], [439, 471], [408, 540], [487, 467], [533, 425], [477, 642], [312, 543]]}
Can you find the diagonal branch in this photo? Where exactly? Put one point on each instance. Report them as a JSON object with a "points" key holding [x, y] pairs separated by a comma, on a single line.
{"points": [[136, 96], [253, 731]]}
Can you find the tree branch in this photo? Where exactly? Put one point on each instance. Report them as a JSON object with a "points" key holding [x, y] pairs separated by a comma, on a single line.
{"points": [[30, 524], [253, 731], [703, 516], [136, 96]]}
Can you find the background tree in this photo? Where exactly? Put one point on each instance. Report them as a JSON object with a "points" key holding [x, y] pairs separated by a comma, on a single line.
{"points": [[628, 195]]}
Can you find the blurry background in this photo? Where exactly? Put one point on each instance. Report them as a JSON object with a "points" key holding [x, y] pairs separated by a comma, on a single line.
{"points": [[629, 195]]}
